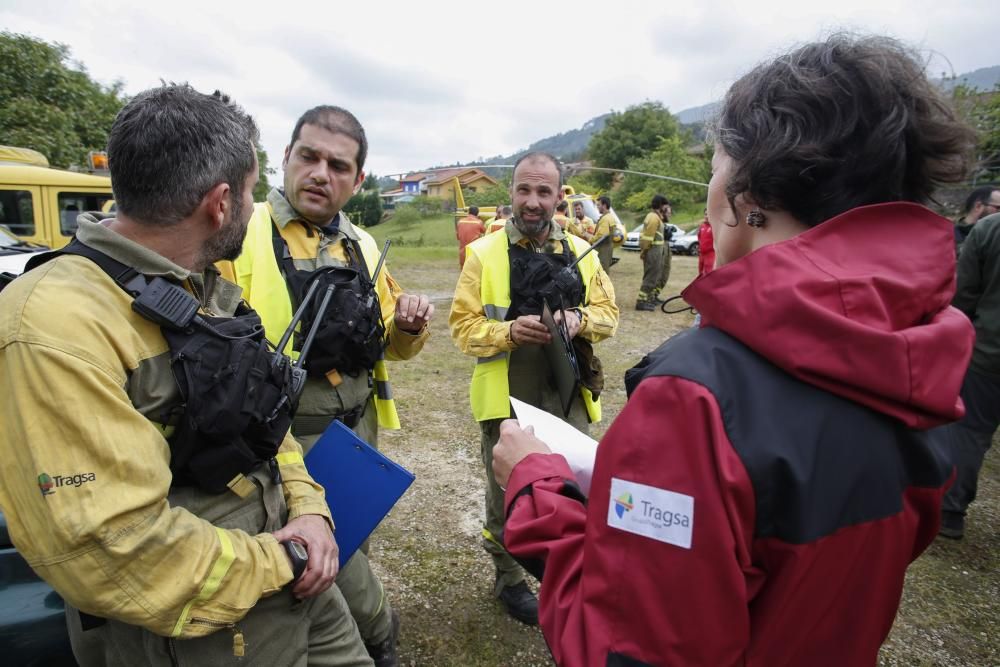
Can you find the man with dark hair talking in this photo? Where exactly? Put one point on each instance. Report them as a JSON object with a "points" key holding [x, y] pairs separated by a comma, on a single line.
{"points": [[300, 235]]}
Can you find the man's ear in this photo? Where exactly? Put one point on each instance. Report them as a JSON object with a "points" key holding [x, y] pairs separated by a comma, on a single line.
{"points": [[358, 181], [215, 205], [284, 160]]}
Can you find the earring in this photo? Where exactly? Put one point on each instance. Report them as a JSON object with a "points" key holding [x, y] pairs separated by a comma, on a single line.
{"points": [[756, 219]]}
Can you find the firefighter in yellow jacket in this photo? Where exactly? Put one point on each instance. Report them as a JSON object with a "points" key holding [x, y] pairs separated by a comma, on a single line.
{"points": [[487, 323], [298, 237], [166, 528], [654, 251]]}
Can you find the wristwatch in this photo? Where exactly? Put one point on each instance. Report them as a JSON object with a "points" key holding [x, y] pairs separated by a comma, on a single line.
{"points": [[298, 555]]}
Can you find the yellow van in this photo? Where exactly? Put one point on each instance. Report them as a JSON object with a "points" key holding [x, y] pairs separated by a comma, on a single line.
{"points": [[39, 204]]}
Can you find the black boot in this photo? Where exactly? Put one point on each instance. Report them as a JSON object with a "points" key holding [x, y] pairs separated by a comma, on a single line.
{"points": [[384, 653], [644, 305], [520, 603]]}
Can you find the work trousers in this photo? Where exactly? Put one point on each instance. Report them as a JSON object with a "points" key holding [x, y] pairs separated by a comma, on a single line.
{"points": [[652, 270], [605, 253], [965, 443], [665, 272], [529, 382], [362, 589]]}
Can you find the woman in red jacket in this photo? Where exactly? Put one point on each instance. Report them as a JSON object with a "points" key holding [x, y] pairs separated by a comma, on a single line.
{"points": [[760, 496]]}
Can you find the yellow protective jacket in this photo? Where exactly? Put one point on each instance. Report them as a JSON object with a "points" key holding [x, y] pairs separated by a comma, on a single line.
{"points": [[257, 272], [85, 482], [482, 297], [652, 231]]}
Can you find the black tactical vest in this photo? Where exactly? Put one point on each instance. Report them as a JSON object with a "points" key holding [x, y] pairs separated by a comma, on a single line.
{"points": [[351, 334], [536, 277], [238, 394]]}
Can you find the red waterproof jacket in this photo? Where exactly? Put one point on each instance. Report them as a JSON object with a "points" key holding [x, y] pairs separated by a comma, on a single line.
{"points": [[761, 494], [706, 248]]}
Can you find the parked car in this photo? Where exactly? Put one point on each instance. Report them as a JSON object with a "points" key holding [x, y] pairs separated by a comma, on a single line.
{"points": [[15, 253], [32, 617], [685, 243], [632, 238], [39, 204]]}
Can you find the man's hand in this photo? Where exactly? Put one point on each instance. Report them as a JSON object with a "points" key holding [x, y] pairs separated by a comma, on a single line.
{"points": [[574, 320], [529, 330], [515, 443], [642, 253], [413, 312], [314, 532]]}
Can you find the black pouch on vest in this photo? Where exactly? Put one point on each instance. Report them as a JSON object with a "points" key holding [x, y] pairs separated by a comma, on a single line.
{"points": [[350, 336], [238, 403], [536, 277]]}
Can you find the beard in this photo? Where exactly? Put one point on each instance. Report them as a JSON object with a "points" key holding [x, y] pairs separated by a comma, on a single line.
{"points": [[532, 229], [227, 244]]}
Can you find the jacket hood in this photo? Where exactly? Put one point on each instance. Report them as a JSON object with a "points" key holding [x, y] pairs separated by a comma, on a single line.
{"points": [[858, 306]]}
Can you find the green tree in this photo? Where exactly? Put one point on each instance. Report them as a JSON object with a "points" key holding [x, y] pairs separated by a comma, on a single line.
{"points": [[492, 195], [51, 104], [263, 185], [671, 158], [982, 111], [632, 134], [365, 208]]}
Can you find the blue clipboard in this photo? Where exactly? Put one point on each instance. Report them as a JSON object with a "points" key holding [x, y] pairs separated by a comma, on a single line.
{"points": [[361, 484]]}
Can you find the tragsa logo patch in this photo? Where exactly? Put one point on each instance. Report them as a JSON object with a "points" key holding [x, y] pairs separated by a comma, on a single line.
{"points": [[623, 503], [659, 514]]}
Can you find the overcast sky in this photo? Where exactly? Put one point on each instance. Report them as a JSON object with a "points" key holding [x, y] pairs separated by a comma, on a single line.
{"points": [[440, 82]]}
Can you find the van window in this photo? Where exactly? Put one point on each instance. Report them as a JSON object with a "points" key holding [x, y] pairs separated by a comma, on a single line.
{"points": [[72, 204], [17, 212]]}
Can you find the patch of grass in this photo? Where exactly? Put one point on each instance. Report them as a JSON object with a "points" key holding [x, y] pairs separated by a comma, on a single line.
{"points": [[434, 232]]}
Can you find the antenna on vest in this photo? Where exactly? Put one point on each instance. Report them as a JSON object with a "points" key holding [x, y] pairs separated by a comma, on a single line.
{"points": [[381, 260], [317, 321], [297, 317], [588, 250]]}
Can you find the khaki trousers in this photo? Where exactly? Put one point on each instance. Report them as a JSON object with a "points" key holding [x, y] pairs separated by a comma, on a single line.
{"points": [[529, 381]]}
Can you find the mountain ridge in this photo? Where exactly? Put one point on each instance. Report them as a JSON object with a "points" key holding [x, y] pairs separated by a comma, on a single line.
{"points": [[571, 145]]}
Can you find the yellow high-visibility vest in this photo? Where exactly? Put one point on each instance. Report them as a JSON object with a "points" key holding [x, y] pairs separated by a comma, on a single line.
{"points": [[490, 389]]}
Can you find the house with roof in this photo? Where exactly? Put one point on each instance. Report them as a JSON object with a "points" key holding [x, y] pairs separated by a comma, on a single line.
{"points": [[437, 183], [441, 183]]}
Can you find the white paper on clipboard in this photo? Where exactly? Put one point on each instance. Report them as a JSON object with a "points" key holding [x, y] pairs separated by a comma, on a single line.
{"points": [[579, 449]]}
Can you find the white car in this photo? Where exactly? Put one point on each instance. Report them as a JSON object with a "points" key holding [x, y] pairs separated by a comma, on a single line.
{"points": [[15, 253], [686, 243], [632, 238]]}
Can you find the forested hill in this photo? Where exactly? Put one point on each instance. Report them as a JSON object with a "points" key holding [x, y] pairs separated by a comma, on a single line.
{"points": [[572, 145]]}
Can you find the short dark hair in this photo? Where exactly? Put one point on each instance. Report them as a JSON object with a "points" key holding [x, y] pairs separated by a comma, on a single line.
{"points": [[838, 124], [541, 155], [170, 145], [507, 210], [606, 200], [336, 120], [659, 201], [562, 206], [473, 210], [980, 195]]}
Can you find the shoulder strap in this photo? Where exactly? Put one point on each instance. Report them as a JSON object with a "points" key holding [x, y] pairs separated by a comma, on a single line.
{"points": [[130, 280]]}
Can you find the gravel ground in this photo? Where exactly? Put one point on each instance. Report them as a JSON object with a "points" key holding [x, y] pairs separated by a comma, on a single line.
{"points": [[428, 550]]}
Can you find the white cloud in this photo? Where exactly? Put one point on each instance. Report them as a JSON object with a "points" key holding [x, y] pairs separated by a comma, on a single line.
{"points": [[440, 82]]}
